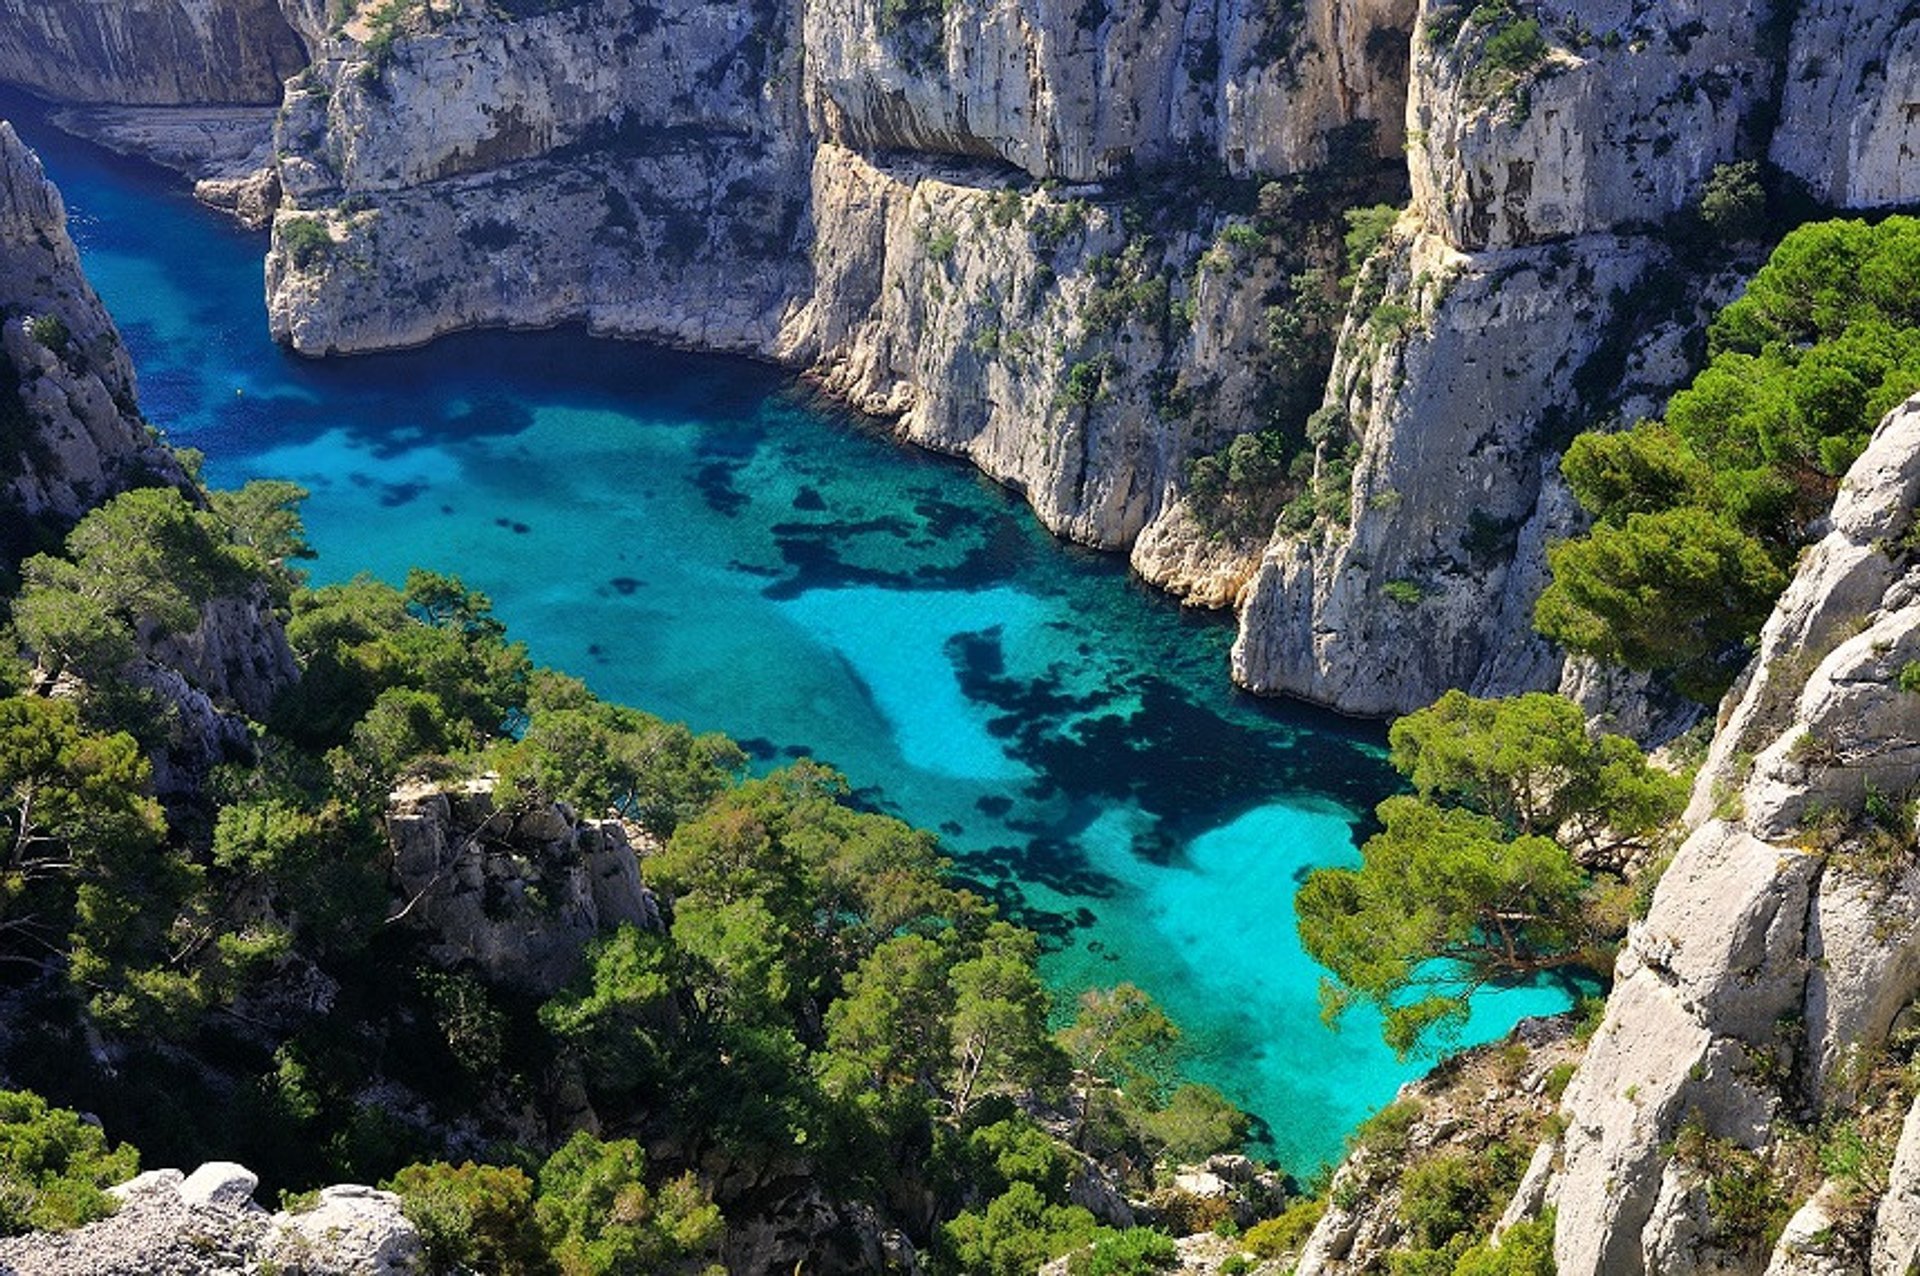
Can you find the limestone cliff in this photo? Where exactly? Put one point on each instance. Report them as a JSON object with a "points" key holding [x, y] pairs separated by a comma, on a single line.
{"points": [[1782, 952], [1083, 91], [515, 894], [71, 433], [149, 52], [1526, 296], [640, 170]]}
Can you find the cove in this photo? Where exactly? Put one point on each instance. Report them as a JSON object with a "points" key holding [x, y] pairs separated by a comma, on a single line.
{"points": [[699, 536]]}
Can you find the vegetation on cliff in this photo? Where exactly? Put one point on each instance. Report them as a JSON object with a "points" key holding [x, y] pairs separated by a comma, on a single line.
{"points": [[1697, 517], [820, 1001]]}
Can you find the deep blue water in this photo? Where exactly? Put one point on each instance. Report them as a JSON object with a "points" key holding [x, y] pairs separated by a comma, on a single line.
{"points": [[697, 536]]}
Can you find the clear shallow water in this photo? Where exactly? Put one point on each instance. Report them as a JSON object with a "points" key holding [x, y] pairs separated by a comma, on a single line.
{"points": [[697, 536]]}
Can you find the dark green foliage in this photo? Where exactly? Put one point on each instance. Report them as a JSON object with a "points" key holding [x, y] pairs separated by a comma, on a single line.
{"points": [[1531, 763], [598, 757], [600, 1218], [1367, 229], [53, 1166], [1525, 1249], [1443, 902], [306, 241], [473, 1218], [146, 560], [1019, 1232], [1450, 898], [1700, 516], [1679, 590], [1733, 203], [1136, 1251], [50, 331]]}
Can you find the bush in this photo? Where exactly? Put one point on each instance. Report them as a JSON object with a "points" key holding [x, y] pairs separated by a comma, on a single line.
{"points": [[50, 331], [53, 1166], [1278, 1237], [1733, 203], [472, 1217], [1134, 1252], [1526, 1249], [305, 240]]}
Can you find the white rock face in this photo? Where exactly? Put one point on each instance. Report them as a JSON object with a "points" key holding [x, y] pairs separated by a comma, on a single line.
{"points": [[1848, 125], [517, 893], [73, 435], [974, 345], [1459, 388], [1082, 91], [150, 52], [1620, 126], [639, 170], [1753, 942], [206, 1224]]}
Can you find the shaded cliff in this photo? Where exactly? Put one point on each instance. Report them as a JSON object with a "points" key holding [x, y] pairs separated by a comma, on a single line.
{"points": [[71, 433], [149, 52]]}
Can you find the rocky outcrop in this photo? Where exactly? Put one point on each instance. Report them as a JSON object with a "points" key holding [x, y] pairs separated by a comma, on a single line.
{"points": [[1478, 1104], [1784, 940], [1612, 115], [1848, 127], [204, 1223], [516, 893], [1080, 345], [149, 52], [1523, 300], [71, 433]]}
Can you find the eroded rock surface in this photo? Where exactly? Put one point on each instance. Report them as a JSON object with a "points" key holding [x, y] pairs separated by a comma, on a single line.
{"points": [[206, 1223]]}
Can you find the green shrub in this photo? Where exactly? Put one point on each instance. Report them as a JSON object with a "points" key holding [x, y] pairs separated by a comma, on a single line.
{"points": [[1134, 1252], [305, 240], [50, 331], [1277, 1237], [1516, 49], [1733, 203], [473, 1217], [1525, 1249], [53, 1166], [1405, 592]]}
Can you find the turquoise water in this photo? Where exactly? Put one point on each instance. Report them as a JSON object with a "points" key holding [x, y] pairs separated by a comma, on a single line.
{"points": [[698, 536]]}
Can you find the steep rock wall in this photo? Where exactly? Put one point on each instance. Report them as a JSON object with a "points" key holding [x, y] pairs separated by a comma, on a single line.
{"points": [[1084, 90], [1525, 297], [1615, 121], [642, 171], [1783, 939], [149, 52], [71, 433], [1074, 344], [1459, 387], [1848, 124]]}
